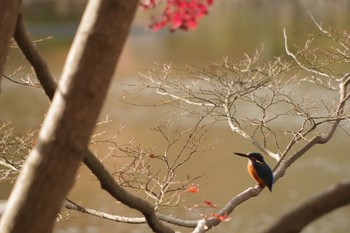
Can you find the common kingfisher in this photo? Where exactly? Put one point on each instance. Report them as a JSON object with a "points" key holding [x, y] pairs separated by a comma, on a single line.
{"points": [[258, 169]]}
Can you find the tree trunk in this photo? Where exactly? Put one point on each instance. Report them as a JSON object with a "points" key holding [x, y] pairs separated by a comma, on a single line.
{"points": [[322, 203], [50, 169], [9, 11]]}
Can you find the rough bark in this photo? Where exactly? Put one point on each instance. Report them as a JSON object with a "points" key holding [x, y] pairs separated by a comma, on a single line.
{"points": [[9, 11], [319, 204], [49, 171]]}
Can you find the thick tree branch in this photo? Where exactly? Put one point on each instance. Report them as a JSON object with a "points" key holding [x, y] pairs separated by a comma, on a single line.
{"points": [[312, 208], [33, 56], [9, 11], [50, 169]]}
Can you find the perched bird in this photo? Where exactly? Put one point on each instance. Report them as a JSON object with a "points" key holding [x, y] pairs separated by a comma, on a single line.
{"points": [[258, 169]]}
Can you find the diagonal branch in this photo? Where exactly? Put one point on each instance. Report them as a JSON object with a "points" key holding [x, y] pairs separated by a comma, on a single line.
{"points": [[312, 208], [301, 64], [36, 60], [9, 11], [319, 139], [235, 128], [208, 223]]}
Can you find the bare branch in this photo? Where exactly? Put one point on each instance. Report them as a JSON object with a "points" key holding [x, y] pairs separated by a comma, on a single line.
{"points": [[74, 206], [221, 86], [131, 220], [34, 57], [321, 139], [9, 11], [27, 82], [154, 170], [226, 86], [207, 223], [235, 128], [14, 148], [301, 64], [312, 208]]}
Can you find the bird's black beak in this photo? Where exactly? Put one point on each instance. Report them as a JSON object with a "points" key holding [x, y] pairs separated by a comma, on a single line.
{"points": [[241, 154]]}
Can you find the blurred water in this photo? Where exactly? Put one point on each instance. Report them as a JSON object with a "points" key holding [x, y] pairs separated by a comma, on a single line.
{"points": [[231, 28]]}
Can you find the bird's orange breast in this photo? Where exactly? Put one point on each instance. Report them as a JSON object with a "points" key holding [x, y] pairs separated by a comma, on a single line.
{"points": [[252, 173]]}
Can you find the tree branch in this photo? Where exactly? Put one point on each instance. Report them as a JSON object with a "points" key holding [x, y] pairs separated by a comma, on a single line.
{"points": [[235, 128], [74, 206], [33, 56], [312, 208], [9, 11], [300, 64], [226, 89], [132, 220], [108, 183], [49, 170], [282, 165], [206, 224]]}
